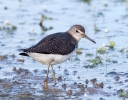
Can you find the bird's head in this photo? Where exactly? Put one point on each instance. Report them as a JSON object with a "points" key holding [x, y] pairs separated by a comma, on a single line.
{"points": [[78, 32]]}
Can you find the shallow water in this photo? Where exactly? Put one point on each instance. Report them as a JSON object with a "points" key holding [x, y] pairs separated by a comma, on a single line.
{"points": [[101, 14]]}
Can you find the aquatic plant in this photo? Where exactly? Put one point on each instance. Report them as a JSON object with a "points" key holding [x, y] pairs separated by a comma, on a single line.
{"points": [[87, 1], [121, 50], [86, 96], [43, 18], [96, 29], [111, 61], [33, 34], [43, 7], [9, 26], [89, 54], [101, 50], [97, 60], [123, 93], [111, 43]]}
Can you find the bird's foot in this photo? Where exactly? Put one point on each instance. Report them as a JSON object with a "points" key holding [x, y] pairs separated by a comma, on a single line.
{"points": [[45, 85], [54, 78]]}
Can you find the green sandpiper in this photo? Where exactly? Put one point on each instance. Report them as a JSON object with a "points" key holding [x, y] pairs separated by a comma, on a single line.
{"points": [[56, 48]]}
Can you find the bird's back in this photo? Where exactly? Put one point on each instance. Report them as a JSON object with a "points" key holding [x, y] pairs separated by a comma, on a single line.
{"points": [[58, 43]]}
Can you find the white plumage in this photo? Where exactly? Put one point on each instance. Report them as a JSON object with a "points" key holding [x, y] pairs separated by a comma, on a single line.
{"points": [[51, 59]]}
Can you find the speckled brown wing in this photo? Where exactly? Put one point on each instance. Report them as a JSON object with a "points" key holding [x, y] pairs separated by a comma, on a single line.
{"points": [[58, 43]]}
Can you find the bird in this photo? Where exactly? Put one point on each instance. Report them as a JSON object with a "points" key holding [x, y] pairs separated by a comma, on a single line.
{"points": [[56, 48]]}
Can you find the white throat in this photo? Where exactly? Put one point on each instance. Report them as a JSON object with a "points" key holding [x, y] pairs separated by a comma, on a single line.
{"points": [[77, 37]]}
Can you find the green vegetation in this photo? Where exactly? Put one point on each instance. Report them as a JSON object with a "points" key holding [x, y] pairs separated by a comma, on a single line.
{"points": [[87, 1], [44, 18], [123, 93], [111, 43], [97, 60], [8, 27]]}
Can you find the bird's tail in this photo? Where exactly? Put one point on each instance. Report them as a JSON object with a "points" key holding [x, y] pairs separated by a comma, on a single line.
{"points": [[23, 54]]}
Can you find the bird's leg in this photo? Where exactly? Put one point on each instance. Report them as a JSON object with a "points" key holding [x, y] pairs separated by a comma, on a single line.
{"points": [[53, 76], [46, 79]]}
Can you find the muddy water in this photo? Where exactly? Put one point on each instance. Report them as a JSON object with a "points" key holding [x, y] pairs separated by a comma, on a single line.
{"points": [[21, 80]]}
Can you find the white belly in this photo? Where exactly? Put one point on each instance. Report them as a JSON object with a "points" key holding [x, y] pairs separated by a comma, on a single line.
{"points": [[51, 59]]}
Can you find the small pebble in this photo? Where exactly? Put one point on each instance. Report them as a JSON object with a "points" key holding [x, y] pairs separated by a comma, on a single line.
{"points": [[78, 77], [74, 72], [3, 57], [59, 78], [35, 71], [99, 85], [116, 78], [14, 69], [69, 92], [20, 60], [79, 52], [64, 86], [93, 80], [75, 83], [5, 8], [86, 81]]}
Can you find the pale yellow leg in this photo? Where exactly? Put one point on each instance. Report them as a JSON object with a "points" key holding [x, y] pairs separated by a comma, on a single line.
{"points": [[53, 76], [46, 79]]}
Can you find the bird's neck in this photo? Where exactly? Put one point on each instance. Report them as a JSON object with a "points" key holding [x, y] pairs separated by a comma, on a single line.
{"points": [[72, 39], [74, 36]]}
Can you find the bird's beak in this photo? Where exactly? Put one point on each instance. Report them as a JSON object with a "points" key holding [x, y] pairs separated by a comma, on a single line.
{"points": [[85, 36]]}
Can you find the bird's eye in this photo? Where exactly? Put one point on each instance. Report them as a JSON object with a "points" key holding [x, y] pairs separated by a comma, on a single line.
{"points": [[77, 31]]}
